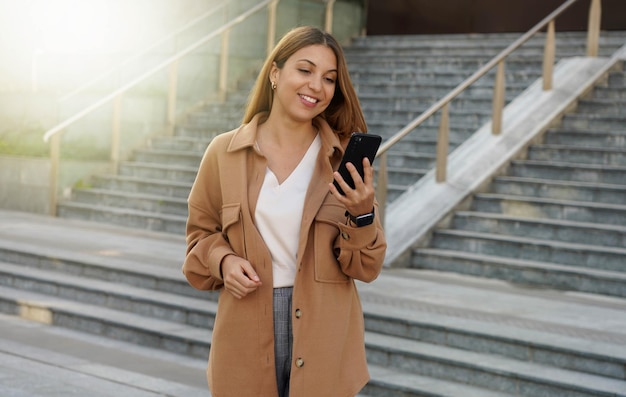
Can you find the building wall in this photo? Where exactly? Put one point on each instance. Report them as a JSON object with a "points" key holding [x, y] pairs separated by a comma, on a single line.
{"points": [[483, 16]]}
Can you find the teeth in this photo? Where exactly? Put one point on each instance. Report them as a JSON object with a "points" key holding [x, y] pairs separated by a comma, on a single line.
{"points": [[308, 99]]}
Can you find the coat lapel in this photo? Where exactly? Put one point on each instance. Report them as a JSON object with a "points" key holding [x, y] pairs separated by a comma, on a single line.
{"points": [[327, 161]]}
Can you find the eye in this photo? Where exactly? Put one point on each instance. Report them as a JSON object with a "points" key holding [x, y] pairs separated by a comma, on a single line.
{"points": [[305, 71], [330, 80]]}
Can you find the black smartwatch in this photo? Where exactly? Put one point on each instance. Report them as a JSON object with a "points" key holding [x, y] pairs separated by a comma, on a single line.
{"points": [[362, 220]]}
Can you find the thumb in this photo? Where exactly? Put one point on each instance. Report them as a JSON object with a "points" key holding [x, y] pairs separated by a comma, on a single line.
{"points": [[249, 271]]}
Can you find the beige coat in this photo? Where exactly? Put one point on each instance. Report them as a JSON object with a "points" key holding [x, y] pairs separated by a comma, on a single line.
{"points": [[328, 331]]}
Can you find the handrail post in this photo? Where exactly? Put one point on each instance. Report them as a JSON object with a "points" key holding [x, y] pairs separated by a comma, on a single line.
{"points": [[115, 133], [548, 57], [271, 25], [382, 187], [223, 83], [328, 26], [172, 94], [593, 28], [442, 145], [55, 151], [498, 100]]}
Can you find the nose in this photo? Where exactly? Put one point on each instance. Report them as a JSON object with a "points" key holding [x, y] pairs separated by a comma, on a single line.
{"points": [[315, 83]]}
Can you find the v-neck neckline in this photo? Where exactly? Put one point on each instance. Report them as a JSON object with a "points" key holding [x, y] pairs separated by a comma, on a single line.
{"points": [[316, 143]]}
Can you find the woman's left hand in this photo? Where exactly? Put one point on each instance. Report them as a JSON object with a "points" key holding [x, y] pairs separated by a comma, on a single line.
{"points": [[360, 200]]}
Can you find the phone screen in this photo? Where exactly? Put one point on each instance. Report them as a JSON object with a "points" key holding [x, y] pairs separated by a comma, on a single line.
{"points": [[360, 146]]}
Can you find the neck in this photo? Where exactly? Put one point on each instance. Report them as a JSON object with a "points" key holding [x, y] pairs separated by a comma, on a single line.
{"points": [[287, 134]]}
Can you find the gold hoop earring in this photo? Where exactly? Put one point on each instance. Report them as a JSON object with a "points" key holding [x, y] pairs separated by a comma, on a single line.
{"points": [[273, 85]]}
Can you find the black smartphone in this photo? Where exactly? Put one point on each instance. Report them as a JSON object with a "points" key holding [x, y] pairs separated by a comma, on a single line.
{"points": [[360, 146]]}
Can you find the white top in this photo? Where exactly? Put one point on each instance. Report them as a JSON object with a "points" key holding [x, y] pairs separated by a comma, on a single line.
{"points": [[278, 215]]}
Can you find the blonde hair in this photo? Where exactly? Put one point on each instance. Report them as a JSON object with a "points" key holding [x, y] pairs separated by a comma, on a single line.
{"points": [[343, 114]]}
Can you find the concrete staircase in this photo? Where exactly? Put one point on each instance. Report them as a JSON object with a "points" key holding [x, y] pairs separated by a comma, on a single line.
{"points": [[555, 218], [396, 78]]}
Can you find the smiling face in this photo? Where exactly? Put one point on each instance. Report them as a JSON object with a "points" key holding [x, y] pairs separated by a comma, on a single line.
{"points": [[305, 84]]}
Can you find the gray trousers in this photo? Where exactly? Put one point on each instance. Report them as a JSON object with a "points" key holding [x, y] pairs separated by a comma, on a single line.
{"points": [[283, 338]]}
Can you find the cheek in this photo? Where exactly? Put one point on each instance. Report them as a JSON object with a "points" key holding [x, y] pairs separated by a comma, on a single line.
{"points": [[330, 92]]}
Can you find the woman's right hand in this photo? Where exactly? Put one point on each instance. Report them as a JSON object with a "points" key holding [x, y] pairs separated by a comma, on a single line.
{"points": [[239, 276]]}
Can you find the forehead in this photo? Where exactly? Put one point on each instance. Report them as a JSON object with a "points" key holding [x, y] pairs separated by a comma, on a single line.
{"points": [[322, 56]]}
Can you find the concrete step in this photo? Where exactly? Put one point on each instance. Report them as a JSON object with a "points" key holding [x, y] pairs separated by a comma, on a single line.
{"points": [[410, 160], [614, 93], [480, 40], [594, 122], [382, 75], [200, 131], [468, 64], [388, 128], [212, 121], [437, 89], [129, 200], [141, 330], [459, 116], [405, 176], [546, 229], [577, 211], [159, 171], [602, 106], [579, 155], [174, 157], [152, 303], [578, 350], [559, 190], [139, 184], [181, 143], [590, 138], [522, 271], [146, 220], [394, 383], [600, 174], [377, 101], [128, 257], [487, 371], [535, 249], [39, 360]]}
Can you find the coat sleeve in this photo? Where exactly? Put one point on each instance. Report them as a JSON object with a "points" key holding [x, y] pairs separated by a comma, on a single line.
{"points": [[361, 250], [206, 244]]}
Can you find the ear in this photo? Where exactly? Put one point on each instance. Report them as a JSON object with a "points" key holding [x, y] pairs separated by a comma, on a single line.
{"points": [[274, 73]]}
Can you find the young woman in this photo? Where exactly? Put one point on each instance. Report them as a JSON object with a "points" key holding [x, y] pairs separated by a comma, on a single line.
{"points": [[268, 228]]}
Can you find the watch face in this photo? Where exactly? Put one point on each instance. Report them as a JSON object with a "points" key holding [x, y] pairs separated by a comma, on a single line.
{"points": [[364, 220]]}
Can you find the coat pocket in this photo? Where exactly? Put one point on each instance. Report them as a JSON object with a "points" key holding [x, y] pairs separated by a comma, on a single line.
{"points": [[327, 269], [232, 228]]}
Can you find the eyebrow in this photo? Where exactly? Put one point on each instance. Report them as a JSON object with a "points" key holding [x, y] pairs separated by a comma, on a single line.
{"points": [[313, 64]]}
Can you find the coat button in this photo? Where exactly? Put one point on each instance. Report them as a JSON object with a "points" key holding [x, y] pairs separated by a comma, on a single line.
{"points": [[298, 313], [299, 362], [345, 235]]}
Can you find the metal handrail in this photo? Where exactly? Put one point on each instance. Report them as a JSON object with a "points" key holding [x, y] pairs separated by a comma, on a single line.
{"points": [[498, 101], [71, 120], [54, 133], [144, 51]]}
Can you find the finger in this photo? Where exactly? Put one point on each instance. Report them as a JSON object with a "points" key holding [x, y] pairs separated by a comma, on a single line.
{"points": [[342, 183], [250, 273], [368, 172], [354, 173]]}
